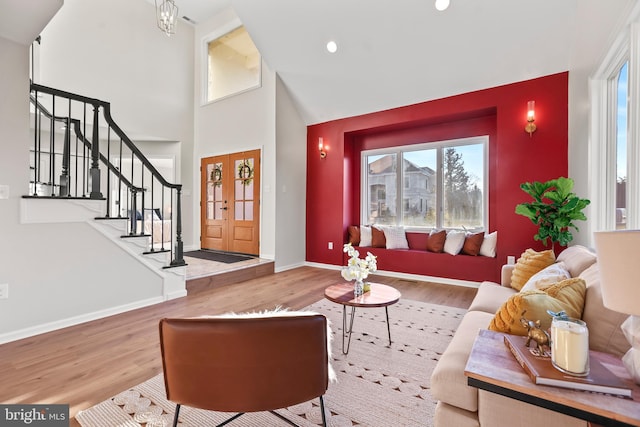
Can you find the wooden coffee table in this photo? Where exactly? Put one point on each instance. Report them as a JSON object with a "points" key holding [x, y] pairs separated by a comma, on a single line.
{"points": [[492, 367], [378, 296]]}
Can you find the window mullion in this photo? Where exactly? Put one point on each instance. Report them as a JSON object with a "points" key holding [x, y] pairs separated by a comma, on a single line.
{"points": [[440, 188], [399, 187]]}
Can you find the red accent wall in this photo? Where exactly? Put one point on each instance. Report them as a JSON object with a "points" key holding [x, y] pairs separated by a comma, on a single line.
{"points": [[333, 183]]}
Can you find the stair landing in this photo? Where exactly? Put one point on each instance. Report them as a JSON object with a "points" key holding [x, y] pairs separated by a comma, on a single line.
{"points": [[203, 274]]}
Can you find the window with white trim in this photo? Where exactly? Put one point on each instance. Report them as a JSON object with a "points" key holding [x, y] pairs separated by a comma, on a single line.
{"points": [[233, 65], [615, 193], [432, 185]]}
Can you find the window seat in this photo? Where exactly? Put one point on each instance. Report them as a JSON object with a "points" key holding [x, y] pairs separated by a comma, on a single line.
{"points": [[417, 260]]}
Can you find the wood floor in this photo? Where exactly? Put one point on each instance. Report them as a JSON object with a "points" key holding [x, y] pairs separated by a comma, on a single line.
{"points": [[86, 364]]}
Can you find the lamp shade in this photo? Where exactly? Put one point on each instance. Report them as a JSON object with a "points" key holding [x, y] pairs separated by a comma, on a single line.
{"points": [[619, 265]]}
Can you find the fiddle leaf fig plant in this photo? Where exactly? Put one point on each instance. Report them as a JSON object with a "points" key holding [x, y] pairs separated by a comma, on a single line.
{"points": [[554, 209]]}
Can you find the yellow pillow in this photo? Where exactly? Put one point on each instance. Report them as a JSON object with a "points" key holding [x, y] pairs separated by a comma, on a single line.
{"points": [[529, 263], [567, 295]]}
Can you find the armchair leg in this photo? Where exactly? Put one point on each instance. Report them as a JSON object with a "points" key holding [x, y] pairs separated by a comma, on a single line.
{"points": [[324, 418], [175, 417], [230, 419]]}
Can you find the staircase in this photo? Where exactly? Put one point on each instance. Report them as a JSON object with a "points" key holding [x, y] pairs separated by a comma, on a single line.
{"points": [[84, 167]]}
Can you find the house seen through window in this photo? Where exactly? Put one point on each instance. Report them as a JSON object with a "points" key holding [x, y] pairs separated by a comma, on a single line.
{"points": [[438, 184], [233, 65]]}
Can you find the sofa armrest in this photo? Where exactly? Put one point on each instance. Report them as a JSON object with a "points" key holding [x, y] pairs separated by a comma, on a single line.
{"points": [[505, 276]]}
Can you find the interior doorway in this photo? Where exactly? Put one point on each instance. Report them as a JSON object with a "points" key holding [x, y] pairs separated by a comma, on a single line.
{"points": [[230, 202]]}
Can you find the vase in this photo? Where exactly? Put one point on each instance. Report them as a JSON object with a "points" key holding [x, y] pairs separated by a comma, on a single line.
{"points": [[358, 288]]}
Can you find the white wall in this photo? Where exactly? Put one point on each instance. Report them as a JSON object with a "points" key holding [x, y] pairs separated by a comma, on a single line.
{"points": [[112, 50], [291, 158], [242, 122], [55, 272]]}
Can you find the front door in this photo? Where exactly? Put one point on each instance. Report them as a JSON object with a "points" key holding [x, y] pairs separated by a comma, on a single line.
{"points": [[230, 202]]}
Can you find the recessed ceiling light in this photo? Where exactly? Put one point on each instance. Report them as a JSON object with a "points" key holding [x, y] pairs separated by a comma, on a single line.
{"points": [[442, 5], [332, 46]]}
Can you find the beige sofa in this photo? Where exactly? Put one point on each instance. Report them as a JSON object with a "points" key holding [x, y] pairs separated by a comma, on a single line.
{"points": [[462, 406]]}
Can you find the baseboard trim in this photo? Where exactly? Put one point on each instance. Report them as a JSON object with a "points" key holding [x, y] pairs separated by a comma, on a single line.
{"points": [[178, 294], [76, 320], [407, 276], [289, 267]]}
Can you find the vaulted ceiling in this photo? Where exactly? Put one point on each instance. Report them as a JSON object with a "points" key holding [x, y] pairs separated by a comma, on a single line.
{"points": [[399, 52]]}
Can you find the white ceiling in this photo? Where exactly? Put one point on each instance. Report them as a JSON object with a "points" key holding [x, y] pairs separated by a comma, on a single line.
{"points": [[398, 52], [22, 20]]}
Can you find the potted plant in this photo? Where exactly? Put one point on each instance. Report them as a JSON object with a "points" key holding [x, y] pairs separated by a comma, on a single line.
{"points": [[553, 210]]}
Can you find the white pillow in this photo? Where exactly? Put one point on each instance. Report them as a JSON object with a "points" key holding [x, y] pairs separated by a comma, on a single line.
{"points": [[454, 242], [395, 236], [488, 247], [365, 236], [150, 215], [547, 276]]}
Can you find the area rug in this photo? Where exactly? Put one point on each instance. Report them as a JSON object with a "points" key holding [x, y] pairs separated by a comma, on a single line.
{"points": [[227, 258], [377, 386]]}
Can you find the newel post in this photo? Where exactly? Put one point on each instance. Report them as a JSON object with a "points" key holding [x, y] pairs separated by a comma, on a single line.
{"points": [[178, 258], [94, 172]]}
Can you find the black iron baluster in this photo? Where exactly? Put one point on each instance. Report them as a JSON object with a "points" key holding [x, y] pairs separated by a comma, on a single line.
{"points": [[36, 133], [66, 157], [143, 191], [162, 216], [120, 181], [134, 200], [151, 216], [108, 171], [52, 145], [85, 181]]}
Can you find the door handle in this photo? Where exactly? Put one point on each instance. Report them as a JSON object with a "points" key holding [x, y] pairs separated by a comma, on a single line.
{"points": [[225, 208]]}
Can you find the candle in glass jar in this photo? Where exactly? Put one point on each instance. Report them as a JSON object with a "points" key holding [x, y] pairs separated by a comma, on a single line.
{"points": [[570, 346]]}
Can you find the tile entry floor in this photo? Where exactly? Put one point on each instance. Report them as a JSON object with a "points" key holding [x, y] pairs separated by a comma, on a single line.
{"points": [[197, 267]]}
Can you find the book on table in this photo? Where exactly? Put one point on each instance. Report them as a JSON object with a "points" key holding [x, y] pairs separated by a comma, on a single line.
{"points": [[541, 371]]}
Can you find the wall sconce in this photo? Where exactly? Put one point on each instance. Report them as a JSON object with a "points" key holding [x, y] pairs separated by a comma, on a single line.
{"points": [[322, 148], [530, 127]]}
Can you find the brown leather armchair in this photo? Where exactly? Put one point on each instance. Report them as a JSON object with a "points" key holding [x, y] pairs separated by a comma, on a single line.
{"points": [[245, 364]]}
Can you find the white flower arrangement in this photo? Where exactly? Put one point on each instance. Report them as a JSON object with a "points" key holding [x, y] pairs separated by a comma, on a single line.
{"points": [[358, 269]]}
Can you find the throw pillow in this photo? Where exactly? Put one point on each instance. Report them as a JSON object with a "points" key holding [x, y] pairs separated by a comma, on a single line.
{"points": [[395, 237], [577, 259], [454, 242], [377, 238], [567, 295], [547, 276], [472, 243], [365, 236], [150, 215], [488, 247], [435, 242], [354, 235], [529, 263]]}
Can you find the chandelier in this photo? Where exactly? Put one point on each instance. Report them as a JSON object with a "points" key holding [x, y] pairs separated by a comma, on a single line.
{"points": [[167, 16]]}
